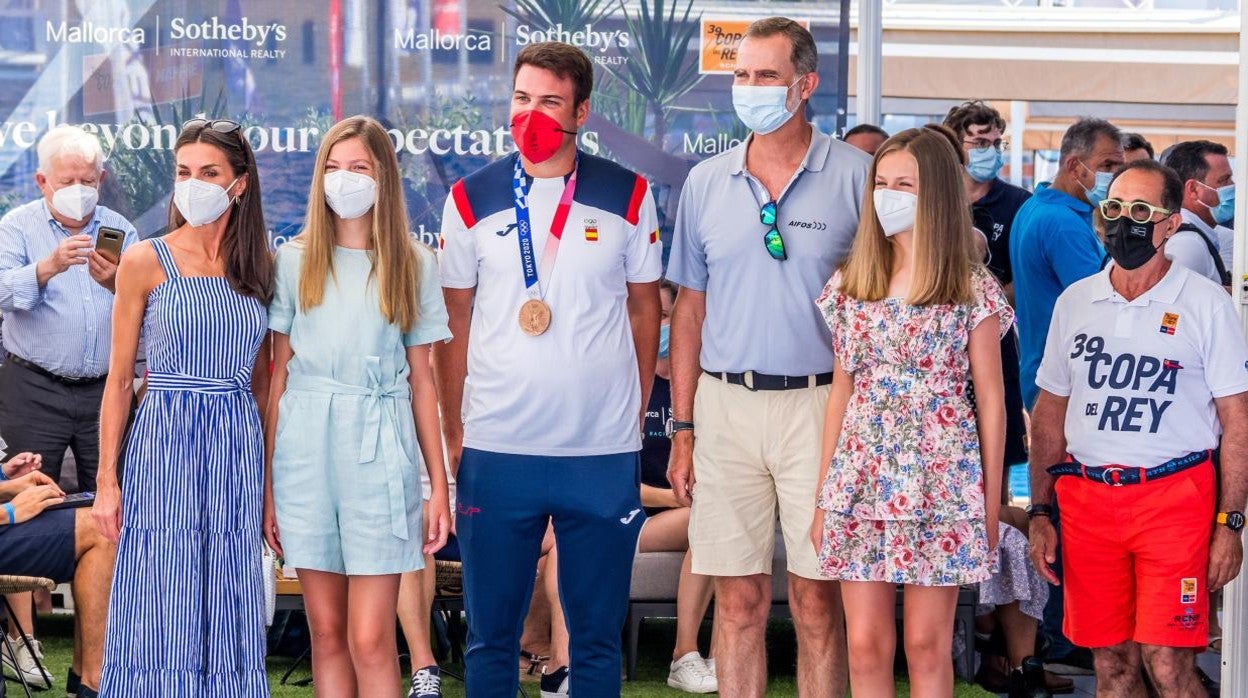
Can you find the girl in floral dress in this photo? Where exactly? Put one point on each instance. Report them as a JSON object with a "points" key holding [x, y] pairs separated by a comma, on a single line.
{"points": [[911, 470]]}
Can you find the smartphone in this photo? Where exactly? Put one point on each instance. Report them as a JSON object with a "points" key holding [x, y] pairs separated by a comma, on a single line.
{"points": [[77, 499], [108, 243]]}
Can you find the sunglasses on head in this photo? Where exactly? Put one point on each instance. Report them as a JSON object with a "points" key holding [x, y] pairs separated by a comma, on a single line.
{"points": [[768, 215], [222, 126], [218, 125]]}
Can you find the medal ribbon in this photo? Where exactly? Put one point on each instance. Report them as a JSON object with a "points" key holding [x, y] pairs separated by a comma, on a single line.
{"points": [[524, 230]]}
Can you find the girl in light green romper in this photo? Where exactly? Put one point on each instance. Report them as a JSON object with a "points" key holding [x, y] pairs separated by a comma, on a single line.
{"points": [[353, 409]]}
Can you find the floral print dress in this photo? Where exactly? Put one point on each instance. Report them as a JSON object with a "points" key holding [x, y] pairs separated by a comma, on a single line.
{"points": [[904, 496]]}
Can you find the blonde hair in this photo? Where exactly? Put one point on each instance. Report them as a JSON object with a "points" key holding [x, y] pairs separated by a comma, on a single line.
{"points": [[395, 263], [943, 247]]}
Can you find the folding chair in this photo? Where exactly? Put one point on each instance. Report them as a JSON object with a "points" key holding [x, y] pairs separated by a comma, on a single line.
{"points": [[289, 597], [448, 605], [11, 584]]}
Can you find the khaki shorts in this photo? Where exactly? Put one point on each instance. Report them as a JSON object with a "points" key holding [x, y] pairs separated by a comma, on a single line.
{"points": [[755, 453]]}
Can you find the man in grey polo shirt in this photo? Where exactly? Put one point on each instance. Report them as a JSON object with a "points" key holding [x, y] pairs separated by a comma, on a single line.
{"points": [[759, 231]]}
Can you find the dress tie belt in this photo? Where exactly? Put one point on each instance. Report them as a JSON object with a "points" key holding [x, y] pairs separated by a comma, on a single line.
{"points": [[382, 402], [173, 382]]}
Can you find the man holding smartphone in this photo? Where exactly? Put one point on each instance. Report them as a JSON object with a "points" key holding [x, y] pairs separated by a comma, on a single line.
{"points": [[58, 260]]}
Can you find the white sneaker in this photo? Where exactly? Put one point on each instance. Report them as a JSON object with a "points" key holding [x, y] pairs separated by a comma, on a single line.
{"points": [[24, 661], [555, 684], [426, 683], [690, 674], [710, 665]]}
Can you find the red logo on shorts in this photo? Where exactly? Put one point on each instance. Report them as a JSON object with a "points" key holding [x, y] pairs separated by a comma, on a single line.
{"points": [[1187, 621]]}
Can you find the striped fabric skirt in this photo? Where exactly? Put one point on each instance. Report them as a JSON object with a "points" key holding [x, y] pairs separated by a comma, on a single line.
{"points": [[186, 617]]}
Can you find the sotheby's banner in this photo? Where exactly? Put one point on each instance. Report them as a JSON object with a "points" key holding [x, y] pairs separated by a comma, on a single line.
{"points": [[437, 73]]}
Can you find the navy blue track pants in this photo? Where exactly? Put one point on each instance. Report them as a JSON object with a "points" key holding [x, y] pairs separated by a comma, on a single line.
{"points": [[504, 504]]}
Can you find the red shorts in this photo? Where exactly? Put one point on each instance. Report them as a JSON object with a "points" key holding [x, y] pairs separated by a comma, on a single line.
{"points": [[1135, 558]]}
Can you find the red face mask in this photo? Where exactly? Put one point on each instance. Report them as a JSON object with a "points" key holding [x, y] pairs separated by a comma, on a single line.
{"points": [[537, 135]]}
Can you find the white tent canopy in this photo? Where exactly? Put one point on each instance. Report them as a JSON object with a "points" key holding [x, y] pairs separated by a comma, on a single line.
{"points": [[1235, 600]]}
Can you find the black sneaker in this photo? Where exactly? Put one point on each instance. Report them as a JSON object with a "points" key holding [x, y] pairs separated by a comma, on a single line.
{"points": [[84, 692], [73, 683], [426, 683], [1028, 681], [555, 684]]}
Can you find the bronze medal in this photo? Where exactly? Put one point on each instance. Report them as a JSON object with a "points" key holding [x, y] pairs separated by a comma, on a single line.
{"points": [[534, 317]]}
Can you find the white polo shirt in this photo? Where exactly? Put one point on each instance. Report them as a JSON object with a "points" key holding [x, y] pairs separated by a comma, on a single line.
{"points": [[1142, 375], [574, 390], [759, 314], [1226, 246], [1186, 247]]}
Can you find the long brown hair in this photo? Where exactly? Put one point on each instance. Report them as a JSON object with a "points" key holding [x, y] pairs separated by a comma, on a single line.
{"points": [[245, 245], [395, 264], [943, 248]]}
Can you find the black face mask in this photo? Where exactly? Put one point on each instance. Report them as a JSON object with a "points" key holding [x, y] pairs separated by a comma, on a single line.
{"points": [[1130, 244]]}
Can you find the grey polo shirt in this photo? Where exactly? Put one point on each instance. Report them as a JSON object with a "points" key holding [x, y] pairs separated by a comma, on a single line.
{"points": [[760, 312]]}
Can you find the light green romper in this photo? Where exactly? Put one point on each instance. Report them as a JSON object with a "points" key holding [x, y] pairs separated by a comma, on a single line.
{"points": [[345, 478]]}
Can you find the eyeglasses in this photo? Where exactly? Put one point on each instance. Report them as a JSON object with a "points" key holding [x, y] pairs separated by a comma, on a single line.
{"points": [[774, 243], [1138, 211], [218, 125], [984, 144]]}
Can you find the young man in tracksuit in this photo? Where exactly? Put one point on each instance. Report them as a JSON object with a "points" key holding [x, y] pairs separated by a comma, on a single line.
{"points": [[550, 269]]}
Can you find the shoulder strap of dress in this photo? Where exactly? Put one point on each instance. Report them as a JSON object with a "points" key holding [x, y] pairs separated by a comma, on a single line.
{"points": [[166, 258]]}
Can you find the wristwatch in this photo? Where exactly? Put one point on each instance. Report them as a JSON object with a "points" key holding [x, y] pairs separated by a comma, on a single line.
{"points": [[1034, 510], [1233, 520], [674, 426]]}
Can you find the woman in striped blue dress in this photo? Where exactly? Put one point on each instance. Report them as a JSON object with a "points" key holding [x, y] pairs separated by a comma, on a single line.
{"points": [[186, 613]]}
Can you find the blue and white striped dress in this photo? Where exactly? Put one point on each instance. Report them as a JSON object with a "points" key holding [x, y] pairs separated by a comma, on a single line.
{"points": [[186, 613]]}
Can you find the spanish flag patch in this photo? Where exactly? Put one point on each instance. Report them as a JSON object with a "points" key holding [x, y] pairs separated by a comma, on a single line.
{"points": [[591, 230], [1169, 323], [654, 236]]}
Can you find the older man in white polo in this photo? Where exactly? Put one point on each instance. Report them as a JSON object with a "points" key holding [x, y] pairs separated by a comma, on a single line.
{"points": [[1145, 372]]}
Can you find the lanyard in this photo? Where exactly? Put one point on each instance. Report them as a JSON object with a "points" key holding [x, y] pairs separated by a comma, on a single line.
{"points": [[524, 232]]}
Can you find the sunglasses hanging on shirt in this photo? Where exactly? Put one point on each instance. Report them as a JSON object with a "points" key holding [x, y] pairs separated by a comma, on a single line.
{"points": [[768, 215]]}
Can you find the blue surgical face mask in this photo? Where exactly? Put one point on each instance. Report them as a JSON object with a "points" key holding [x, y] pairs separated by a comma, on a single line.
{"points": [[983, 164], [1225, 210], [1100, 187], [665, 338], [762, 108]]}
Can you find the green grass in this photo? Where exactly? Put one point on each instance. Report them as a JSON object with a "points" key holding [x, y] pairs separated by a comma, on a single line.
{"points": [[654, 653]]}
